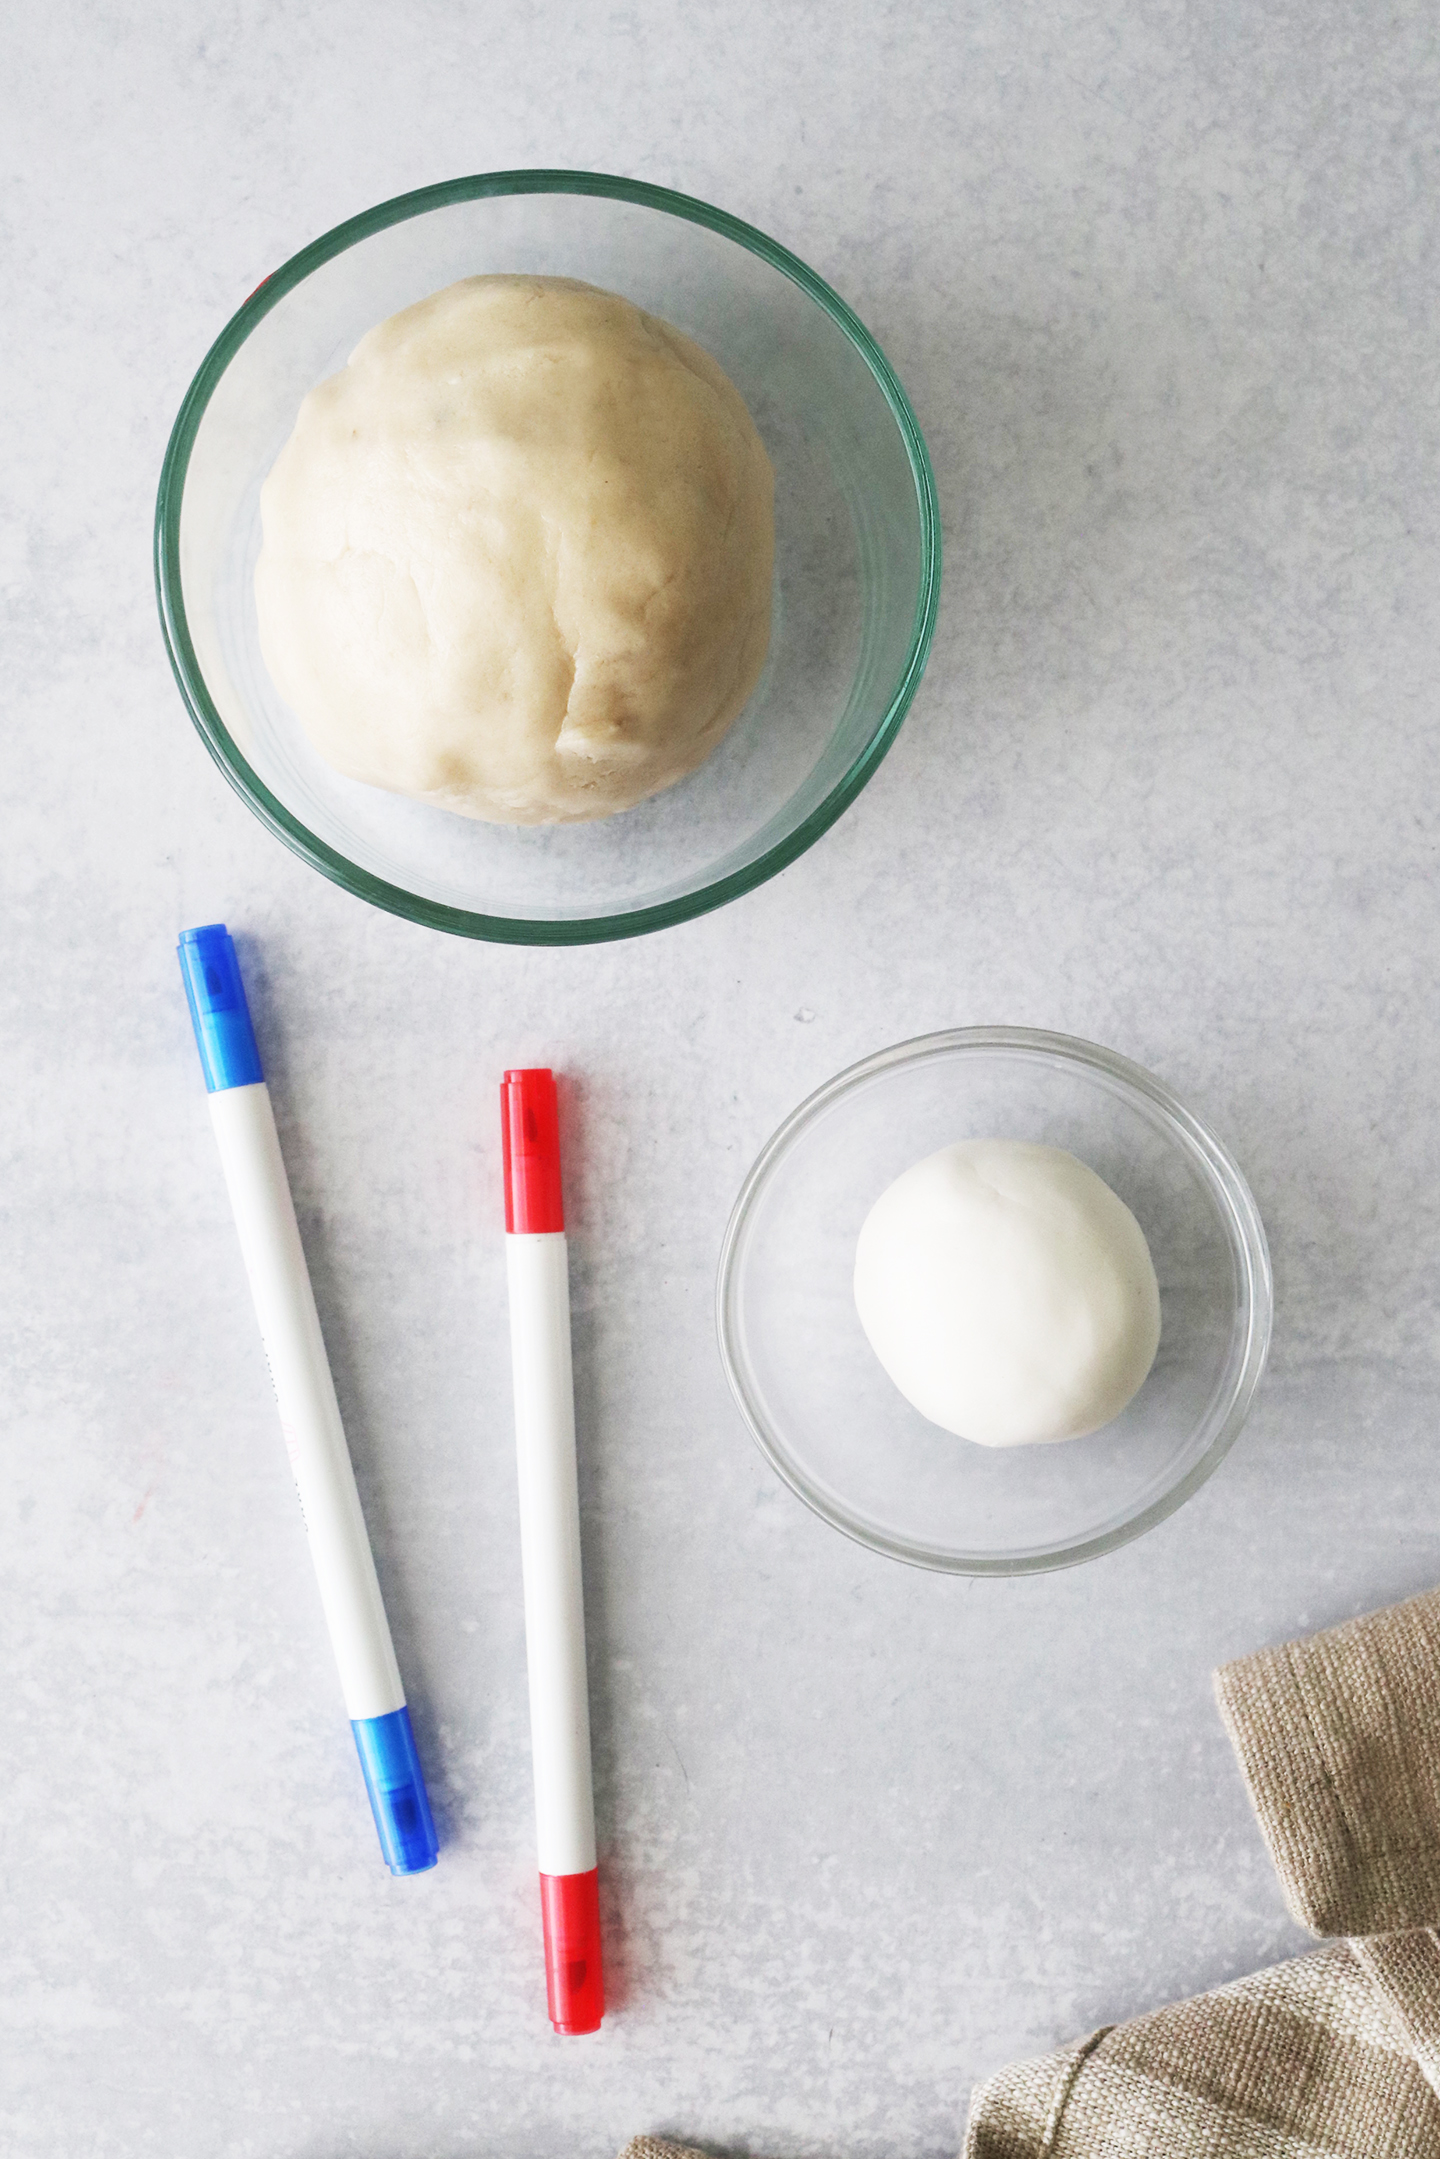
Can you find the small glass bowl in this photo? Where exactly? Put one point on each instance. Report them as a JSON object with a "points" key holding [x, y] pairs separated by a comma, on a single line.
{"points": [[826, 1414], [856, 580]]}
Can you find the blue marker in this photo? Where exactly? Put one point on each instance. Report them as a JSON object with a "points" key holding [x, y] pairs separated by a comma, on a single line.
{"points": [[309, 1413]]}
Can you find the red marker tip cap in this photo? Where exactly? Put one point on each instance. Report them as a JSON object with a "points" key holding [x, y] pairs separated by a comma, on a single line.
{"points": [[574, 1979], [530, 1137]]}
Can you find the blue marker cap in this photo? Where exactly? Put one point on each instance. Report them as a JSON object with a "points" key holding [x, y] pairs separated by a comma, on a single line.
{"points": [[223, 1033], [396, 1784]]}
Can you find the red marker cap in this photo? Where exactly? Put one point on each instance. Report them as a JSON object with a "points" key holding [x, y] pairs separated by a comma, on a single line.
{"points": [[574, 1979], [530, 1137]]}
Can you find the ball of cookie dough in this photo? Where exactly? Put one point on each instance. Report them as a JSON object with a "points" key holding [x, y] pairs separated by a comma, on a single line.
{"points": [[517, 554], [1008, 1292]]}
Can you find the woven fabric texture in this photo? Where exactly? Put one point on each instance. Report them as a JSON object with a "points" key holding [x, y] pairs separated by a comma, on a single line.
{"points": [[1404, 1969], [1339, 1740], [658, 2148], [1303, 2061]]}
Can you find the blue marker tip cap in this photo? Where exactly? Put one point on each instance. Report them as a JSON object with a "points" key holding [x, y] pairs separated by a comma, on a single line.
{"points": [[221, 1017], [396, 1784]]}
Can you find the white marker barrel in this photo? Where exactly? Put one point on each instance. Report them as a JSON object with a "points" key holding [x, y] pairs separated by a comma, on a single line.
{"points": [[309, 1413], [539, 1278]]}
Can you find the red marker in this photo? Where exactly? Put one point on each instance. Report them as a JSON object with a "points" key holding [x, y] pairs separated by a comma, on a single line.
{"points": [[538, 1268]]}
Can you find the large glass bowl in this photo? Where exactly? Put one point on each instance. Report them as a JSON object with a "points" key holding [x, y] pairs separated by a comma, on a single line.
{"points": [[856, 580], [815, 1395]]}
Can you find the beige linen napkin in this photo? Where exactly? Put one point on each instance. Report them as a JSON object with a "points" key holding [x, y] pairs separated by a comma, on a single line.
{"points": [[1335, 2055]]}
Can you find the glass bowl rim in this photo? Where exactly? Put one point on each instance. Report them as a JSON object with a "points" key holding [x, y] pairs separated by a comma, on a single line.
{"points": [[507, 929], [1226, 1183]]}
